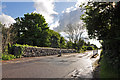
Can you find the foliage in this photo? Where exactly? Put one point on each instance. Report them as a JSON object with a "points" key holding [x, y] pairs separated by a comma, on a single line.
{"points": [[17, 50], [95, 47], [107, 71], [102, 21], [77, 45], [25, 45], [74, 31], [32, 29], [54, 39], [8, 36], [84, 48], [90, 48], [8, 57], [0, 24], [9, 48], [62, 42], [80, 43], [69, 44]]}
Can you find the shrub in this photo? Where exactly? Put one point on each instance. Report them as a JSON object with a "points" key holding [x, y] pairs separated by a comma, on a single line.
{"points": [[18, 50], [106, 70], [8, 57], [84, 48], [90, 48], [25, 45]]}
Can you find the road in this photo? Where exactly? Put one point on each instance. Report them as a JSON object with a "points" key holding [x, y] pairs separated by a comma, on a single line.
{"points": [[66, 66]]}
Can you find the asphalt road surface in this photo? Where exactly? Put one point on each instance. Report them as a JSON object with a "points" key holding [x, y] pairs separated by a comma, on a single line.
{"points": [[66, 66]]}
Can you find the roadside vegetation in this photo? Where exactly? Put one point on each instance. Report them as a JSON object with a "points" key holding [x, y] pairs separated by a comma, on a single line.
{"points": [[102, 19], [107, 71], [33, 31]]}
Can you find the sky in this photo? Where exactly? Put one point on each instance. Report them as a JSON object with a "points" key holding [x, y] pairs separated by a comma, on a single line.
{"points": [[57, 13]]}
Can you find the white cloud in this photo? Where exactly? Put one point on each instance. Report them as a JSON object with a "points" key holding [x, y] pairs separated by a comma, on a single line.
{"points": [[6, 20], [70, 16], [46, 8], [73, 17], [69, 9], [54, 25], [80, 2], [64, 35], [63, 11]]}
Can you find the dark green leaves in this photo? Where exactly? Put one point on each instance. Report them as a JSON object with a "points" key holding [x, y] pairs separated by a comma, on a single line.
{"points": [[32, 30]]}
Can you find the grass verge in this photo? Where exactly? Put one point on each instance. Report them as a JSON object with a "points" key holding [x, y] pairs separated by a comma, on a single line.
{"points": [[107, 71]]}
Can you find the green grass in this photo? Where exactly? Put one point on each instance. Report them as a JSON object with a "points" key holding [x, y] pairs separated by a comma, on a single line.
{"points": [[25, 45], [107, 71]]}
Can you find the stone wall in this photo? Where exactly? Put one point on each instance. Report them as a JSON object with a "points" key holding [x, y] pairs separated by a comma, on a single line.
{"points": [[36, 52]]}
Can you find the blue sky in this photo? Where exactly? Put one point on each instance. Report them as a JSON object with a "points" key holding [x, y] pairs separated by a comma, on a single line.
{"points": [[52, 11], [57, 14], [18, 9]]}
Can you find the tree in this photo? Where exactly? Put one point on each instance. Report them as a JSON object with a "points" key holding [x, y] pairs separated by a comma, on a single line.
{"points": [[69, 45], [102, 21], [0, 37], [80, 43], [62, 42], [95, 47], [32, 29], [8, 37], [74, 31], [54, 39]]}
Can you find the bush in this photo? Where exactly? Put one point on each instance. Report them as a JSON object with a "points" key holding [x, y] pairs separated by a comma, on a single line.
{"points": [[84, 48], [8, 57], [90, 48], [106, 70], [25, 45], [18, 50], [87, 48]]}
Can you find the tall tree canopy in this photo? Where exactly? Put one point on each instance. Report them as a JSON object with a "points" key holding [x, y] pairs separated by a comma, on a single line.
{"points": [[74, 31], [8, 36], [32, 30], [103, 21], [0, 37], [62, 42], [54, 39]]}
